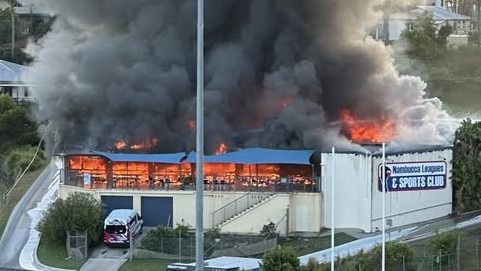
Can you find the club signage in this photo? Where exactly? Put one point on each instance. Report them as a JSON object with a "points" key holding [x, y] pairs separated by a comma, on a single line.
{"points": [[411, 176]]}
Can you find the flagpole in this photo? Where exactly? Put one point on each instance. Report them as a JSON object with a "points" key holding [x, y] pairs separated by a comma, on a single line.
{"points": [[332, 206], [199, 182], [383, 264]]}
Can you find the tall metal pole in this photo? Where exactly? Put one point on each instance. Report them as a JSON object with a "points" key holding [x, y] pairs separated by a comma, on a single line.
{"points": [[12, 13], [383, 264], [199, 181], [333, 168]]}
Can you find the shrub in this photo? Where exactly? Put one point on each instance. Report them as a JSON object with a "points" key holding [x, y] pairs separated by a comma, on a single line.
{"points": [[78, 212], [280, 259]]}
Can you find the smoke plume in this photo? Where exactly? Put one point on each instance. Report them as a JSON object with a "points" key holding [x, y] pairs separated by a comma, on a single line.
{"points": [[277, 73]]}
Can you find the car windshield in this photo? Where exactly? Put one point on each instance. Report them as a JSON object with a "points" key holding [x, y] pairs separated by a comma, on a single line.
{"points": [[115, 229]]}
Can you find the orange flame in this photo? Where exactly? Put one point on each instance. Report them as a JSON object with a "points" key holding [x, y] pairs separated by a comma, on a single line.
{"points": [[191, 125], [149, 143], [120, 145], [222, 148], [371, 130]]}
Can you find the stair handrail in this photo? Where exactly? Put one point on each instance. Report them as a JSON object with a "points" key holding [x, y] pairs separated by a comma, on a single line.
{"points": [[236, 206]]}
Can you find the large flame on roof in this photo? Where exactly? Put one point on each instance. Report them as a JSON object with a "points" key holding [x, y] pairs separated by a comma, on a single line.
{"points": [[367, 130], [149, 143]]}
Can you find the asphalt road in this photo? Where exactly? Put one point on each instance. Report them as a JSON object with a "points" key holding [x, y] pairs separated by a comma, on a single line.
{"points": [[18, 227]]}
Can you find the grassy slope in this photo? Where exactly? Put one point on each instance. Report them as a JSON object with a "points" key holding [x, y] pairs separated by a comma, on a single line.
{"points": [[55, 255], [6, 207]]}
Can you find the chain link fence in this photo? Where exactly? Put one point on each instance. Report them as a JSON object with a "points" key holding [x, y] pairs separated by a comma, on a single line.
{"points": [[77, 245], [183, 248], [466, 257]]}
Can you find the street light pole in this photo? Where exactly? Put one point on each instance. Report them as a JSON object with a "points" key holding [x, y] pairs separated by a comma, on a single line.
{"points": [[199, 222], [383, 264], [333, 172]]}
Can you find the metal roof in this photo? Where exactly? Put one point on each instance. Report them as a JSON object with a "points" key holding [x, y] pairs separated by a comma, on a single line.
{"points": [[227, 262], [439, 14], [11, 72], [168, 158], [258, 156], [32, 10]]}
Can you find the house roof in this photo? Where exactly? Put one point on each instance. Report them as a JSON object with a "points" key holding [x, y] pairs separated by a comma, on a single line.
{"points": [[439, 14], [258, 156], [11, 72], [31, 10]]}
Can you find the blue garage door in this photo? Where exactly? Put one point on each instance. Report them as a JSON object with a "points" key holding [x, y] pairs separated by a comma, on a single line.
{"points": [[157, 211], [117, 202]]}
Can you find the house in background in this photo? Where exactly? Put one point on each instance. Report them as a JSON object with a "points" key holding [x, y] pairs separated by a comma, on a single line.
{"points": [[398, 22], [11, 82]]}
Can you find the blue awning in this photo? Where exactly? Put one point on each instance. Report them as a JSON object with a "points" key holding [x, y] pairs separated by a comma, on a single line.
{"points": [[168, 158], [257, 156]]}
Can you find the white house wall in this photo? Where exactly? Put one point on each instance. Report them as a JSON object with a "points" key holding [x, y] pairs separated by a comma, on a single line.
{"points": [[352, 193], [407, 207], [396, 27]]}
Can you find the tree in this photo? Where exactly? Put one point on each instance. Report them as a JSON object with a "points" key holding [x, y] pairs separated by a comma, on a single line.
{"points": [[78, 212], [466, 173], [16, 128], [444, 243], [269, 230], [18, 160], [280, 259], [425, 42]]}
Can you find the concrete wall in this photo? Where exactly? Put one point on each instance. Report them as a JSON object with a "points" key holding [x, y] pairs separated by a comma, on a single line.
{"points": [[295, 212], [304, 214], [273, 210], [183, 201]]}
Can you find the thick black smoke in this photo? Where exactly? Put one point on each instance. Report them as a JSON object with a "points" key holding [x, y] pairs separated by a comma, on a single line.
{"points": [[277, 72]]}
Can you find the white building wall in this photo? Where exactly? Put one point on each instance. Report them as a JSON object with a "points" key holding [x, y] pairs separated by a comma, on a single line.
{"points": [[396, 27], [407, 207], [352, 191], [305, 212]]}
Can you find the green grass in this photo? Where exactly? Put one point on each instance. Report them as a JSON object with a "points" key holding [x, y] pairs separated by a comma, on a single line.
{"points": [[145, 265], [303, 246], [6, 207], [55, 255]]}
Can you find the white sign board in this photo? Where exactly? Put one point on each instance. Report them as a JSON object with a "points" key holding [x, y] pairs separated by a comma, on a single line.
{"points": [[409, 176]]}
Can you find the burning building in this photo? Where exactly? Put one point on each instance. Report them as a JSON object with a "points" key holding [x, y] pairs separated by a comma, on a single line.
{"points": [[272, 184], [119, 76], [107, 76]]}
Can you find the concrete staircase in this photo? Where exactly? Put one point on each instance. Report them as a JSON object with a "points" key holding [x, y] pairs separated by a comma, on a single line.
{"points": [[258, 204]]}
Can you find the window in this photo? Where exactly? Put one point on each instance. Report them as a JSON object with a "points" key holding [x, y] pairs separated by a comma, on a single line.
{"points": [[410, 26], [115, 229]]}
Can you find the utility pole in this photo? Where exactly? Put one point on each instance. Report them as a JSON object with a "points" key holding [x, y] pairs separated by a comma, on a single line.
{"points": [[12, 13], [478, 23]]}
